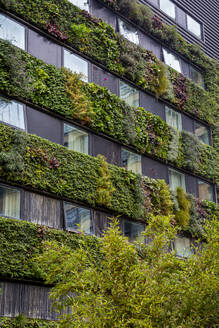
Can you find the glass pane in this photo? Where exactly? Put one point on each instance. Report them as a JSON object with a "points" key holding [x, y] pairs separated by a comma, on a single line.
{"points": [[171, 60], [205, 191], [176, 180], [9, 202], [83, 4], [12, 113], [75, 139], [129, 32], [12, 31], [202, 133], [132, 230], [196, 76], [173, 118], [76, 64], [194, 26], [77, 218], [129, 94], [131, 161], [168, 7], [182, 247]]}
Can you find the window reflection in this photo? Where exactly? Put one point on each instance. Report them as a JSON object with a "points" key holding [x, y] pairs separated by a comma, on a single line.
{"points": [[82, 4], [77, 218], [129, 94], [129, 32], [12, 113], [205, 191], [173, 118], [182, 247], [9, 202], [196, 76], [171, 60], [75, 139], [202, 133], [132, 229], [194, 26], [176, 179], [168, 7], [76, 64], [12, 31], [131, 161]]}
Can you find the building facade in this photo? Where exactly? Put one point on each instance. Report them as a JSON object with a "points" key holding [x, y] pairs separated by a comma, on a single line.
{"points": [[145, 98]]}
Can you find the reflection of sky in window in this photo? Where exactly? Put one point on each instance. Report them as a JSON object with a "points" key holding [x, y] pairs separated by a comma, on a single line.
{"points": [[131, 161], [12, 113], [171, 60], [129, 32], [202, 133], [76, 64], [82, 4], [194, 26], [12, 31], [129, 94], [75, 216], [168, 7]]}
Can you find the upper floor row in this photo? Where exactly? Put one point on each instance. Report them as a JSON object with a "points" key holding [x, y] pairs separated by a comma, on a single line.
{"points": [[55, 54]]}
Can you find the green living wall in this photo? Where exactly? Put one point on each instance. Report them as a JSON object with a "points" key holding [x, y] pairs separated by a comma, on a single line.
{"points": [[26, 78], [97, 40], [28, 160], [22, 322]]}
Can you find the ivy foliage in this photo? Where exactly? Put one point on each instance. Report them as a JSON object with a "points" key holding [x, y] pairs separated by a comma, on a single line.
{"points": [[21, 241], [98, 40], [76, 176], [64, 93], [22, 322]]}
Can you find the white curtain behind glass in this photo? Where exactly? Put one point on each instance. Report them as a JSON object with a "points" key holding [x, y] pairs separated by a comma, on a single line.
{"points": [[76, 64], [75, 139], [12, 113], [176, 180], [173, 119], [12, 31], [182, 247], [10, 202]]}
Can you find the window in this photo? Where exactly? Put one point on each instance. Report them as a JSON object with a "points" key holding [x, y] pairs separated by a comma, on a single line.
{"points": [[168, 7], [129, 32], [131, 161], [129, 94], [171, 60], [76, 64], [176, 179], [12, 113], [82, 4], [196, 76], [132, 229], [77, 218], [205, 191], [12, 31], [182, 247], [173, 118], [193, 26], [75, 139], [9, 202], [202, 133]]}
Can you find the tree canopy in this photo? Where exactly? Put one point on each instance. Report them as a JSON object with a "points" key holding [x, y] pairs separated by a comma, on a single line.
{"points": [[140, 284]]}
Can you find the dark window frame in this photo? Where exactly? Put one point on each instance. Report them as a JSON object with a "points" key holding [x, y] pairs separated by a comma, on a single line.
{"points": [[21, 191], [24, 112]]}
